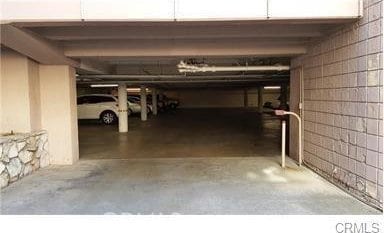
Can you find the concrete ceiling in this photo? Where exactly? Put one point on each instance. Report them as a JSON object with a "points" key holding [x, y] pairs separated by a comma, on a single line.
{"points": [[155, 48]]}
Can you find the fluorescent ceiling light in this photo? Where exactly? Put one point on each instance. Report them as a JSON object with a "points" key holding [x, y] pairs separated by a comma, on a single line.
{"points": [[272, 87], [132, 89], [104, 85]]}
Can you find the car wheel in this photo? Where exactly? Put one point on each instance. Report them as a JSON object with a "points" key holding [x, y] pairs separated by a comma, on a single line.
{"points": [[129, 112], [108, 117]]}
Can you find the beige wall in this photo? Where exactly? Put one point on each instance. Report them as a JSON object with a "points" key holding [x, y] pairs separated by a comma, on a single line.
{"points": [[19, 93], [59, 112], [34, 95], [216, 98]]}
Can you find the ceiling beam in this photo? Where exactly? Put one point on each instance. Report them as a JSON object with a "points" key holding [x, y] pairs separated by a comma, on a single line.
{"points": [[93, 67], [44, 51], [33, 46], [185, 48], [180, 31]]}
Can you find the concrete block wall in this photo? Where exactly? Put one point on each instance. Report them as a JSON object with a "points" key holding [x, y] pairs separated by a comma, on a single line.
{"points": [[343, 105]]}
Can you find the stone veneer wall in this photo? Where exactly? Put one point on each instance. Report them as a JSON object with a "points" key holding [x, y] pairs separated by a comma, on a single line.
{"points": [[343, 106], [22, 154]]}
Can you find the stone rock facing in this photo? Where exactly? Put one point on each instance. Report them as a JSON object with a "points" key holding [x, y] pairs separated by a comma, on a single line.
{"points": [[22, 154]]}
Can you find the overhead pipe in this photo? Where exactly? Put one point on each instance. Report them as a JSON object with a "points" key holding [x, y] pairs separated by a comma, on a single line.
{"points": [[181, 81], [128, 77], [187, 68]]}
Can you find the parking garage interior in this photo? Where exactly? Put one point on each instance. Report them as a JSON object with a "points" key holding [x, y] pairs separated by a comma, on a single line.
{"points": [[218, 152]]}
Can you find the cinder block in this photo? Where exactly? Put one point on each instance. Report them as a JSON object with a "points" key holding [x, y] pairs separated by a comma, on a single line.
{"points": [[362, 63], [373, 110], [344, 163], [372, 142], [361, 109], [362, 140], [353, 35], [352, 137], [375, 45], [372, 158], [374, 28], [362, 94], [374, 61], [371, 174], [373, 78], [352, 165], [359, 125], [371, 189], [374, 12], [360, 169], [363, 31], [362, 79], [373, 126], [373, 94], [361, 154], [362, 48], [352, 151]]}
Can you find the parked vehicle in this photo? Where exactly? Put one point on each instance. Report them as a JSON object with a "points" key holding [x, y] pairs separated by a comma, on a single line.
{"points": [[103, 107], [162, 105], [171, 103], [97, 106], [136, 99]]}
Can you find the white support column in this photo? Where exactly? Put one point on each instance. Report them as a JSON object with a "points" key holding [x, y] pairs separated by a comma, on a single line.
{"points": [[143, 102], [59, 112], [154, 101], [123, 108], [260, 99]]}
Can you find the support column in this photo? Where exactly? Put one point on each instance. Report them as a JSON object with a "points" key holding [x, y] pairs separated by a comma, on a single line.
{"points": [[19, 94], [283, 97], [143, 102], [246, 98], [260, 99], [59, 112], [154, 101], [123, 108]]}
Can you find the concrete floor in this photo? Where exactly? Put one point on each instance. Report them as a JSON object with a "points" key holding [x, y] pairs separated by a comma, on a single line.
{"points": [[184, 133], [187, 162], [178, 186]]}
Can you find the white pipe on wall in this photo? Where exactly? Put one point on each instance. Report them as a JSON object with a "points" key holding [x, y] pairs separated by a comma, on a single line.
{"points": [[282, 112], [283, 130]]}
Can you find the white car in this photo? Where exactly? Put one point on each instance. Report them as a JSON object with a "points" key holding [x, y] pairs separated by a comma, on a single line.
{"points": [[103, 107]]}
